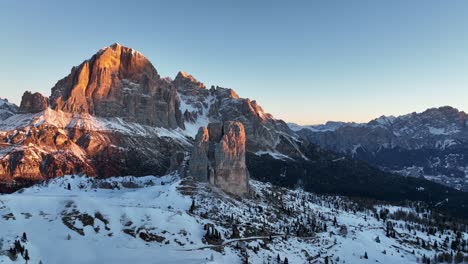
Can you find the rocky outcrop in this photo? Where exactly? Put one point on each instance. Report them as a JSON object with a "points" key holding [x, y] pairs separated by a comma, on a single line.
{"points": [[186, 81], [218, 157], [119, 82], [33, 103]]}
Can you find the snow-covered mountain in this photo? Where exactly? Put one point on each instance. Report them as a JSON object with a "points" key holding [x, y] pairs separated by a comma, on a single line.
{"points": [[7, 109], [77, 219], [329, 126], [231, 183], [431, 144], [114, 115]]}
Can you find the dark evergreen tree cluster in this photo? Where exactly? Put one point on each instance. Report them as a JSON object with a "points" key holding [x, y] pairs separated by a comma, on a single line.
{"points": [[212, 235], [19, 249], [192, 207]]}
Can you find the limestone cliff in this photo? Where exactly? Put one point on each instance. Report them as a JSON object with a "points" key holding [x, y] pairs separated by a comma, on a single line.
{"points": [[218, 157], [119, 82]]}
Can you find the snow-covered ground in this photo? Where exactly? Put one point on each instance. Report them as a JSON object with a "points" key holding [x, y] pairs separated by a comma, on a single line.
{"points": [[64, 120], [150, 220], [44, 212]]}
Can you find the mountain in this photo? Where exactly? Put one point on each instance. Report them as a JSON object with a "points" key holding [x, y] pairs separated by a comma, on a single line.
{"points": [[168, 219], [118, 82], [265, 134], [113, 115], [329, 126], [7, 109], [432, 144]]}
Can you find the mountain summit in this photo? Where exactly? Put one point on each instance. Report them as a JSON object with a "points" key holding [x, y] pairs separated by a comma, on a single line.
{"points": [[118, 82]]}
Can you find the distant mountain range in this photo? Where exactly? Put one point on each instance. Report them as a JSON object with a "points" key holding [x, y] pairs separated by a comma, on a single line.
{"points": [[432, 144], [114, 115]]}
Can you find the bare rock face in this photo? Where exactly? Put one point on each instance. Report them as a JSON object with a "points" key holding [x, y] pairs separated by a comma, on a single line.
{"points": [[218, 157], [33, 103], [184, 80], [119, 82], [264, 133], [193, 94], [46, 149]]}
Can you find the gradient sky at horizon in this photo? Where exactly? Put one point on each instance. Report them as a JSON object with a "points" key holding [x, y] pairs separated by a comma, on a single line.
{"points": [[303, 61]]}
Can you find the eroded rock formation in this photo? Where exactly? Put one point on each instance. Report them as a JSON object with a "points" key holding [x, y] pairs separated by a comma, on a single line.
{"points": [[33, 103], [218, 157]]}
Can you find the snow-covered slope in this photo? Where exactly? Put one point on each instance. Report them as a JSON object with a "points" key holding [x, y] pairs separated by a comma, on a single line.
{"points": [[153, 220], [7, 109], [329, 126]]}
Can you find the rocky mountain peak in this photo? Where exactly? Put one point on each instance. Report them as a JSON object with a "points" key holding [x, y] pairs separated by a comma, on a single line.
{"points": [[118, 82], [445, 112], [184, 80], [33, 103]]}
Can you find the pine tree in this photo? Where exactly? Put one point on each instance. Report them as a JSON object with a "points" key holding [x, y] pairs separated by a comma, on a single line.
{"points": [[365, 255], [25, 238], [458, 257], [455, 244], [192, 207], [286, 260], [69, 186], [278, 259], [26, 255]]}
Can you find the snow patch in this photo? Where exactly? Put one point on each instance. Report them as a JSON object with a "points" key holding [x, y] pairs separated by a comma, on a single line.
{"points": [[273, 154]]}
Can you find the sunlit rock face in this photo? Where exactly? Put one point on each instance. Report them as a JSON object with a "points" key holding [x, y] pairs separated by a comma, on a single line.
{"points": [[119, 82], [33, 103], [112, 115], [49, 144], [218, 157]]}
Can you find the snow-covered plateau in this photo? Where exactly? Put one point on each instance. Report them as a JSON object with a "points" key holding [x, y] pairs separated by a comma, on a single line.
{"points": [[79, 219]]}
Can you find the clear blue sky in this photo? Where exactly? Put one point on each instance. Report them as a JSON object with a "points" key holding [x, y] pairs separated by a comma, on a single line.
{"points": [[303, 61]]}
